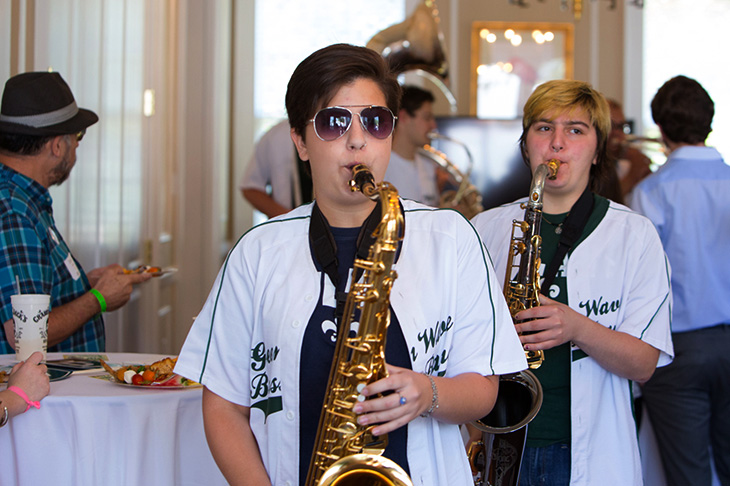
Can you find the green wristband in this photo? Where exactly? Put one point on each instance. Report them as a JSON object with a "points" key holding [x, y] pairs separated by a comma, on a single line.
{"points": [[100, 298]]}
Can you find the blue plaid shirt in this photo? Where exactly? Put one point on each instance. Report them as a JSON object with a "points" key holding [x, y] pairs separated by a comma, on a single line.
{"points": [[32, 249]]}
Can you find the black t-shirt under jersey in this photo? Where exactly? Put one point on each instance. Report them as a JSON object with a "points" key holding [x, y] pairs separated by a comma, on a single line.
{"points": [[317, 353]]}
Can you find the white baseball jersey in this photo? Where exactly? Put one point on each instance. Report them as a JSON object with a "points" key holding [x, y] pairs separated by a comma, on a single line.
{"points": [[619, 277], [245, 344]]}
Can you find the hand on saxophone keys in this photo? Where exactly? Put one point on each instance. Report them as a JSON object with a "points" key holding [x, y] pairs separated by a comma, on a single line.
{"points": [[399, 398], [551, 324]]}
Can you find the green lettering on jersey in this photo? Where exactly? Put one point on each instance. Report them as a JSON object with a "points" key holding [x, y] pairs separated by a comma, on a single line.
{"points": [[598, 307]]}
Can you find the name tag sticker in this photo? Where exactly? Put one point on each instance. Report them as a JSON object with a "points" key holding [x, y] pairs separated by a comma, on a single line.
{"points": [[72, 268]]}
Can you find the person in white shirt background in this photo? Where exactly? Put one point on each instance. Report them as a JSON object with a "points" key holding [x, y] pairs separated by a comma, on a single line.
{"points": [[274, 182], [412, 173]]}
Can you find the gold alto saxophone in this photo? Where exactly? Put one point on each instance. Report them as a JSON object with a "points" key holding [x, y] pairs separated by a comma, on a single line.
{"points": [[522, 289], [496, 458], [346, 453]]}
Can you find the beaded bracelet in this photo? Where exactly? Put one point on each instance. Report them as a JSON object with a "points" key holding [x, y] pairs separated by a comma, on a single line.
{"points": [[434, 398]]}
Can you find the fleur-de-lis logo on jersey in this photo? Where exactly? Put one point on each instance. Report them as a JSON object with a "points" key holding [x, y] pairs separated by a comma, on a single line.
{"points": [[329, 329]]}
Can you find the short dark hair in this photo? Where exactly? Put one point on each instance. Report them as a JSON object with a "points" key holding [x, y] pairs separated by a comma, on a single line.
{"points": [[317, 79], [683, 110], [561, 96], [413, 97], [16, 143]]}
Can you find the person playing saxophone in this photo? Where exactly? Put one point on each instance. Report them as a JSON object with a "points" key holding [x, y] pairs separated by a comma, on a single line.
{"points": [[604, 314], [263, 343]]}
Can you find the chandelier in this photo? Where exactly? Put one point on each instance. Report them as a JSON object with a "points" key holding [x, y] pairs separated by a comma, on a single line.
{"points": [[577, 5]]}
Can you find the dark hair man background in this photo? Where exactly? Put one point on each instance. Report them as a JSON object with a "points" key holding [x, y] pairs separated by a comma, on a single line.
{"points": [[686, 199]]}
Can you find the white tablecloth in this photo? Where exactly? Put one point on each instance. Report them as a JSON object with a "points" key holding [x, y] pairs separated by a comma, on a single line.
{"points": [[93, 432]]}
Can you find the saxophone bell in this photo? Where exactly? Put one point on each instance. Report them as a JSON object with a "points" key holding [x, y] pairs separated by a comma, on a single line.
{"points": [[496, 457], [360, 469]]}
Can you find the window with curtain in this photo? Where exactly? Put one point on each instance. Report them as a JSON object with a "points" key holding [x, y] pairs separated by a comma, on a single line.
{"points": [[286, 32], [97, 47]]}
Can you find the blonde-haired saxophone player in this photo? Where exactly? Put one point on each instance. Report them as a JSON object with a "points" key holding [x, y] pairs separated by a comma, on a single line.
{"points": [[263, 343], [604, 319]]}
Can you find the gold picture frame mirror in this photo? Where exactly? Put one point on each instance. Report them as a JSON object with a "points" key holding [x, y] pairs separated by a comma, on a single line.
{"points": [[509, 59]]}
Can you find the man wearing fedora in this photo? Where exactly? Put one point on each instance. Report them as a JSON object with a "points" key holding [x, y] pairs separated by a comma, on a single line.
{"points": [[40, 129]]}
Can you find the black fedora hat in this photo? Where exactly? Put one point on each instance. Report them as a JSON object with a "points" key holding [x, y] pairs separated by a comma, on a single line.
{"points": [[41, 103]]}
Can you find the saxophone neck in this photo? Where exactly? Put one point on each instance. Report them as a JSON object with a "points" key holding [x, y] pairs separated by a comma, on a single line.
{"points": [[548, 170]]}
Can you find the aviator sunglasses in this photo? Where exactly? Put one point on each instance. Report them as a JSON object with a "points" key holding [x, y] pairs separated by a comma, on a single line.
{"points": [[333, 122]]}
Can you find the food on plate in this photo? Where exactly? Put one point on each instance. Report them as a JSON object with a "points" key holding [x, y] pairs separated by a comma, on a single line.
{"points": [[3, 376], [164, 366], [143, 269], [160, 373]]}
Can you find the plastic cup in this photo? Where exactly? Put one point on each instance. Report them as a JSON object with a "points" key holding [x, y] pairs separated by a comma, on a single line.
{"points": [[30, 316]]}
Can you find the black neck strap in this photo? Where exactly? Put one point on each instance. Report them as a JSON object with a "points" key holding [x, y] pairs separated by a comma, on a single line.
{"points": [[324, 249], [572, 229]]}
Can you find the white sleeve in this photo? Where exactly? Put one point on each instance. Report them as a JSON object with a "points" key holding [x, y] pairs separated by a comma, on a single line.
{"points": [[648, 309], [494, 227], [481, 304]]}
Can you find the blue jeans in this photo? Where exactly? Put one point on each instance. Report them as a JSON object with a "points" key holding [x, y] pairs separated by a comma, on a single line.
{"points": [[546, 466]]}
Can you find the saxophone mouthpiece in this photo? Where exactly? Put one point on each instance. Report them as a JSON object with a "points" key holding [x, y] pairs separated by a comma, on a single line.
{"points": [[363, 181], [553, 166]]}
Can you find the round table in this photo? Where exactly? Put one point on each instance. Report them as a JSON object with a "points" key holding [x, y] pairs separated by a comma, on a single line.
{"points": [[94, 432]]}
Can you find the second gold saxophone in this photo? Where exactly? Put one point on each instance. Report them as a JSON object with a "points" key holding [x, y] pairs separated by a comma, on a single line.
{"points": [[496, 458], [522, 288], [346, 453]]}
